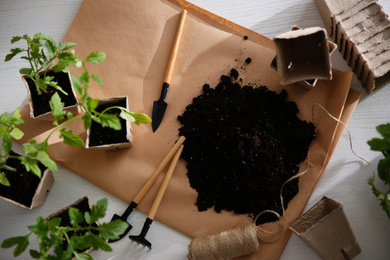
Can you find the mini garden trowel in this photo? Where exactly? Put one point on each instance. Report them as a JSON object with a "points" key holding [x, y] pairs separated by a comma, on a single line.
{"points": [[160, 105]]}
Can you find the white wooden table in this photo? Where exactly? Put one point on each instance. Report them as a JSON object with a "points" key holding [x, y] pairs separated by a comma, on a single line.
{"points": [[345, 179]]}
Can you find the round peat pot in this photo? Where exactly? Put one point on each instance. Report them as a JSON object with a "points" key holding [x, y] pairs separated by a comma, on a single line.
{"points": [[325, 229]]}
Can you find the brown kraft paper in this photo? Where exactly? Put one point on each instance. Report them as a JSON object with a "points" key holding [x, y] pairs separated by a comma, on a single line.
{"points": [[137, 37]]}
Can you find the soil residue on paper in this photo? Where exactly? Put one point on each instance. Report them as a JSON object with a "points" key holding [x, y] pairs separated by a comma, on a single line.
{"points": [[242, 144]]}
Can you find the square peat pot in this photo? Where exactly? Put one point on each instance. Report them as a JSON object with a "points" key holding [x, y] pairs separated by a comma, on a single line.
{"points": [[106, 138], [26, 189], [39, 103], [303, 54], [326, 230], [83, 205]]}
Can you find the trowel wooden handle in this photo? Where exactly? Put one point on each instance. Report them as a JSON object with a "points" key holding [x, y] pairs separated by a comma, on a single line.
{"points": [[164, 184], [175, 48], [145, 188]]}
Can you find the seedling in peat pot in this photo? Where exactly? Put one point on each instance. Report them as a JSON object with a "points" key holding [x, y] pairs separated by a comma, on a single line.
{"points": [[59, 239]]}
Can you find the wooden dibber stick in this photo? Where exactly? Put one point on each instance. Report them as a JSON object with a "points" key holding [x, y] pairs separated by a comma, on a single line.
{"points": [[156, 203], [145, 188]]}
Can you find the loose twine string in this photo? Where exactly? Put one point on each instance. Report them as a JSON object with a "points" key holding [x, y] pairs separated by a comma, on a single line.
{"points": [[243, 238]]}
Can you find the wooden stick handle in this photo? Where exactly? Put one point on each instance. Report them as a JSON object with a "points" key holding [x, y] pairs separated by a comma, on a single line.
{"points": [[175, 48], [164, 184], [145, 188]]}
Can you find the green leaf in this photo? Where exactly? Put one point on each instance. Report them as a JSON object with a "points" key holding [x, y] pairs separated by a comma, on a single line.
{"points": [[35, 254], [44, 158], [83, 256], [97, 211], [87, 118], [378, 144], [3, 180], [111, 121], [76, 85], [25, 71], [63, 66], [113, 229], [95, 241], [57, 107], [49, 81], [96, 57], [15, 39], [40, 228], [384, 130], [141, 118], [7, 142], [32, 147], [3, 130], [64, 46], [97, 79], [51, 47], [16, 114], [11, 121], [127, 116], [69, 115], [84, 78], [13, 53], [16, 133], [384, 169], [31, 165], [92, 104], [76, 217], [41, 36], [70, 138], [53, 223], [20, 242]]}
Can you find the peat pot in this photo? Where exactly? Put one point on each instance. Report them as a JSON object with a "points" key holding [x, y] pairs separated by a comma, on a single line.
{"points": [[326, 230], [105, 138], [26, 189], [39, 103]]}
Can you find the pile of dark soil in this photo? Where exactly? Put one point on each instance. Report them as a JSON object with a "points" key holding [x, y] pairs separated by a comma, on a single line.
{"points": [[242, 143]]}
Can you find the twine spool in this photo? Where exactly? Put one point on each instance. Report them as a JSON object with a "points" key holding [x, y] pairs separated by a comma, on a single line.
{"points": [[235, 242]]}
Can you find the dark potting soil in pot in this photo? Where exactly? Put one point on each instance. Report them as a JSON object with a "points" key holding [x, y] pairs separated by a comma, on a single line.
{"points": [[242, 143], [41, 102], [100, 135], [23, 184]]}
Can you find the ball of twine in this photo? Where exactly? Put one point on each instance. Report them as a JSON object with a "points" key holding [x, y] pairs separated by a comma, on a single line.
{"points": [[241, 240]]}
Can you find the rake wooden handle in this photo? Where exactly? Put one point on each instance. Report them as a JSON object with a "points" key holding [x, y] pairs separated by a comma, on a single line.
{"points": [[164, 184], [145, 188], [175, 48]]}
